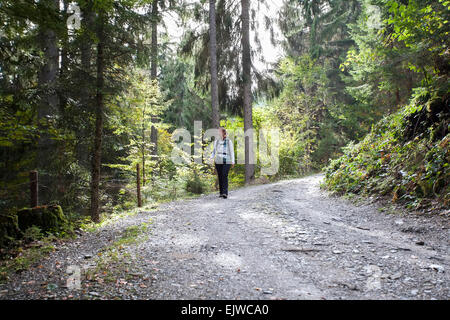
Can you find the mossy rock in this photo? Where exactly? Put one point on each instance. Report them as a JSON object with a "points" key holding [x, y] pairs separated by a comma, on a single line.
{"points": [[48, 218], [9, 228]]}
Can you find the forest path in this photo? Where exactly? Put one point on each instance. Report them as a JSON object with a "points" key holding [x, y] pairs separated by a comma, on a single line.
{"points": [[287, 240]]}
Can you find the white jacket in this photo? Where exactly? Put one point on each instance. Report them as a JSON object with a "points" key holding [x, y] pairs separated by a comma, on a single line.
{"points": [[223, 151]]}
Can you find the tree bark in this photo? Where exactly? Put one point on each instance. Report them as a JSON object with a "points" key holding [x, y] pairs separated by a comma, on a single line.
{"points": [[48, 106], [247, 90], [86, 97], [143, 146], [397, 97], [64, 51], [153, 73], [143, 168], [213, 58], [86, 42], [97, 152], [138, 186]]}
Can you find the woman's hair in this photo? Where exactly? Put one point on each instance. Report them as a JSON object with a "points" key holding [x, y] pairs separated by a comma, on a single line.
{"points": [[224, 131]]}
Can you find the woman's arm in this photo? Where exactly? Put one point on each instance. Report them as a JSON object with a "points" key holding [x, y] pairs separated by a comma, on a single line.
{"points": [[231, 144], [213, 154]]}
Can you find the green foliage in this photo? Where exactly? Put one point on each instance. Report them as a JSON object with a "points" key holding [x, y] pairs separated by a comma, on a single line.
{"points": [[411, 166], [423, 26], [31, 224], [185, 104], [308, 137], [65, 179], [194, 184], [24, 259], [50, 219], [405, 156], [32, 233], [347, 65], [9, 228], [377, 75], [131, 234]]}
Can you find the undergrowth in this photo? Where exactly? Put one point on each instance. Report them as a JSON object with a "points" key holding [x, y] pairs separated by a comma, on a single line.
{"points": [[405, 156]]}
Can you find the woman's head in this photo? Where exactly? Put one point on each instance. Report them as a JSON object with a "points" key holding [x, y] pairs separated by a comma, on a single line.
{"points": [[223, 132]]}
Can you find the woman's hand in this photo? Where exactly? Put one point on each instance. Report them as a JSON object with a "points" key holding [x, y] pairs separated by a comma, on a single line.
{"points": [[232, 166]]}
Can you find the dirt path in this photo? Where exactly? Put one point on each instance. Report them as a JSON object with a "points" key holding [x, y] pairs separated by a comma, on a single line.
{"points": [[287, 240]]}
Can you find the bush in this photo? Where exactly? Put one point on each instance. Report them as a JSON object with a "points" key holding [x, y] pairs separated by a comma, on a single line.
{"points": [[405, 156], [195, 185], [32, 233]]}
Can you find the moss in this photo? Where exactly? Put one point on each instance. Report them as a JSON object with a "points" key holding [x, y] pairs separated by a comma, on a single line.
{"points": [[113, 261], [133, 234], [24, 260], [9, 228], [47, 218]]}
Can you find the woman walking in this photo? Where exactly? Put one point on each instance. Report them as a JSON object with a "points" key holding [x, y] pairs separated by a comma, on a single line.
{"points": [[223, 157]]}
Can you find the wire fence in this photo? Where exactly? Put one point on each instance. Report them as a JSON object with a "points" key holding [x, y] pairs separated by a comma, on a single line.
{"points": [[20, 193], [74, 192]]}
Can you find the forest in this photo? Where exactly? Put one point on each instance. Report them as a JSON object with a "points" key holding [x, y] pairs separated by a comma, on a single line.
{"points": [[91, 89]]}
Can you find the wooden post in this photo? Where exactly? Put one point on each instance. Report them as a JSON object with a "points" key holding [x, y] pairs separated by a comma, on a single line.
{"points": [[138, 182], [34, 188]]}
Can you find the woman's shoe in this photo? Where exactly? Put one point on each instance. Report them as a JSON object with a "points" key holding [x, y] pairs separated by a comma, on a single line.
{"points": [[224, 196]]}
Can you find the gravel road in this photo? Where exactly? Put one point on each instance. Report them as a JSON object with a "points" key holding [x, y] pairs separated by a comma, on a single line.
{"points": [[288, 240]]}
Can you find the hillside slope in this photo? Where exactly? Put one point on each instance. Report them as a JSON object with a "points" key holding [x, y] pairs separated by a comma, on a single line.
{"points": [[404, 157]]}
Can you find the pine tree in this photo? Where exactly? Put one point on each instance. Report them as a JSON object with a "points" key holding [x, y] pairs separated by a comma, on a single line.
{"points": [[48, 107], [98, 137], [247, 91], [154, 70], [213, 57]]}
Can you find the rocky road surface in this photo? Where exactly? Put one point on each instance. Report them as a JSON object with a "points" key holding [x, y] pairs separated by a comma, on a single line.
{"points": [[288, 240]]}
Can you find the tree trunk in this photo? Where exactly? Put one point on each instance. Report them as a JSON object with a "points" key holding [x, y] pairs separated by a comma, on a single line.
{"points": [[86, 41], [143, 168], [153, 73], [86, 97], [97, 152], [143, 146], [48, 106], [64, 51], [138, 186], [213, 57], [247, 90], [65, 60]]}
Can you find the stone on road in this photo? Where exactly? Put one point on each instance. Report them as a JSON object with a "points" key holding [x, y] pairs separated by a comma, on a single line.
{"points": [[288, 240]]}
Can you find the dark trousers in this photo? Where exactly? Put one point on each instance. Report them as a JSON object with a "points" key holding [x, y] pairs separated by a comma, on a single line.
{"points": [[222, 172]]}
